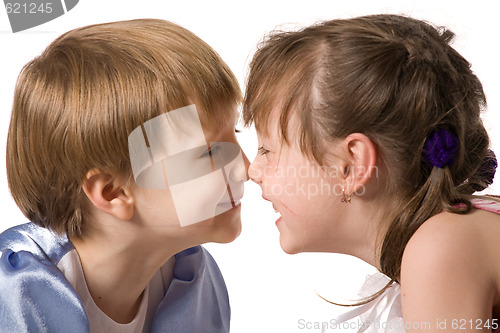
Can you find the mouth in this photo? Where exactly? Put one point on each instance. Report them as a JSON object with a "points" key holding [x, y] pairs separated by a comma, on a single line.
{"points": [[230, 204], [274, 207], [235, 194], [235, 201], [275, 210]]}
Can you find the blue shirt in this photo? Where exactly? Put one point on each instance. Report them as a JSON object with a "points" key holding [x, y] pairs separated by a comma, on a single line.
{"points": [[36, 297]]}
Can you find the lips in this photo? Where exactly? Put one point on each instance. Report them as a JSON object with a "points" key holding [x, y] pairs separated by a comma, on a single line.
{"points": [[234, 202], [226, 206], [275, 210], [274, 207]]}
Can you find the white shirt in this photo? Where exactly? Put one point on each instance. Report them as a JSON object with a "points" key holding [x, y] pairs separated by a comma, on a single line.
{"points": [[383, 314], [99, 322]]}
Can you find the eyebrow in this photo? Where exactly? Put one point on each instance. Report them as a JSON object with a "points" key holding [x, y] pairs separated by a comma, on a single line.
{"points": [[214, 133]]}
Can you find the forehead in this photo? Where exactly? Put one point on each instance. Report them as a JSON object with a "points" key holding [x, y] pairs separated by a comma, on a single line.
{"points": [[279, 125], [170, 134], [218, 117], [266, 119]]}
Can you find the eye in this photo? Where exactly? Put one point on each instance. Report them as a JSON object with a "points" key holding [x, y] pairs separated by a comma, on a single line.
{"points": [[262, 150], [210, 151], [237, 130]]}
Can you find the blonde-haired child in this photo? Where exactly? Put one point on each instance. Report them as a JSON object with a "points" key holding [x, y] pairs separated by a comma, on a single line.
{"points": [[122, 153]]}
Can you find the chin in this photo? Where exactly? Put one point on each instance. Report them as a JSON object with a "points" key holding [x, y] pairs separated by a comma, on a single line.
{"points": [[227, 235], [289, 250], [229, 227], [226, 227], [290, 247]]}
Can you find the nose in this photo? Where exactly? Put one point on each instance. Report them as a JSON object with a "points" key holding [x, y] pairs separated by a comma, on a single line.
{"points": [[247, 164], [240, 172], [255, 171]]}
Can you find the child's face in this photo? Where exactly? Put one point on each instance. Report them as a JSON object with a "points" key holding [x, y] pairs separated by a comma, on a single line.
{"points": [[301, 192], [192, 180]]}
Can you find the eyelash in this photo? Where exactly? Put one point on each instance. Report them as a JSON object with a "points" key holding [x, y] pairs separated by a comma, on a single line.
{"points": [[263, 151], [213, 149]]}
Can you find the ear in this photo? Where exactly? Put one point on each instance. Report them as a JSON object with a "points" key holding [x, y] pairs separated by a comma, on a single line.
{"points": [[361, 156], [107, 195]]}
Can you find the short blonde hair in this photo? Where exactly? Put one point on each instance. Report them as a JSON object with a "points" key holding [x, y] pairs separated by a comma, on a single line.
{"points": [[75, 105]]}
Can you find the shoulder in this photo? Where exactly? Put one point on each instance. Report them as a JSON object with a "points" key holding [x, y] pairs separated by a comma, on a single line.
{"points": [[196, 280], [41, 242], [447, 267], [34, 294], [444, 233], [448, 240], [196, 262]]}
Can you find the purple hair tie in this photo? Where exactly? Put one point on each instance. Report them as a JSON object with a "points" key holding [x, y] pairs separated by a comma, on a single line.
{"points": [[440, 148], [486, 172], [489, 167]]}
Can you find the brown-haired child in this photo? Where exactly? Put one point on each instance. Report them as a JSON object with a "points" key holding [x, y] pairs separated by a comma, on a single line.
{"points": [[103, 251]]}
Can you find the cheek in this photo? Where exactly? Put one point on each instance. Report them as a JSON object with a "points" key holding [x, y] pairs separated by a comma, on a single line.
{"points": [[200, 199], [309, 194], [156, 206]]}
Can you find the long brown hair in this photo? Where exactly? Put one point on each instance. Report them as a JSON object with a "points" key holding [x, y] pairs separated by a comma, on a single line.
{"points": [[394, 79], [76, 104]]}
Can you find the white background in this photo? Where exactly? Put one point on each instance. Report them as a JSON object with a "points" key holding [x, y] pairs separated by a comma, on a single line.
{"points": [[269, 290]]}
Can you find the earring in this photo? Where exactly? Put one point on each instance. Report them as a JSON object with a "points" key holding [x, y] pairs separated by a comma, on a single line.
{"points": [[346, 198]]}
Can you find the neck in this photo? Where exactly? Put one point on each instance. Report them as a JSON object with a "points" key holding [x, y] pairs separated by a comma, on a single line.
{"points": [[118, 261], [365, 227]]}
